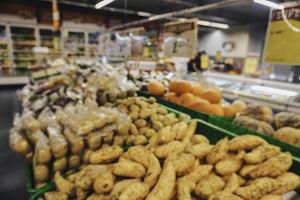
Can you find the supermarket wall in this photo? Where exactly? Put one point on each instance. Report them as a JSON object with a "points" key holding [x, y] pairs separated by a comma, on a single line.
{"points": [[248, 40], [213, 41]]}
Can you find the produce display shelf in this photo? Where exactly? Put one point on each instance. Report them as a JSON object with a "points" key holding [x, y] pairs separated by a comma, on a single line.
{"points": [[207, 128]]}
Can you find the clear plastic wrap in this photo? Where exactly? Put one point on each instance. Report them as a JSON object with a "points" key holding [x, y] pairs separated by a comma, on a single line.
{"points": [[17, 141], [42, 153]]}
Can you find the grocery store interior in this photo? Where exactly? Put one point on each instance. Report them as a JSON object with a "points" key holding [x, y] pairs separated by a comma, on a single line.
{"points": [[150, 99]]}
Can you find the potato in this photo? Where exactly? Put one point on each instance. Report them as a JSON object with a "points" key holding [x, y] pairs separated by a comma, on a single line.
{"points": [[140, 140], [218, 152], [30, 124], [63, 185], [55, 196], [106, 155], [140, 123], [134, 116], [146, 113], [180, 129], [58, 143], [208, 186], [199, 139], [166, 135], [229, 165], [271, 197], [104, 182], [120, 186], [163, 189], [143, 130], [75, 141], [139, 154], [245, 171], [199, 150], [257, 189], [107, 136], [157, 125], [60, 164], [153, 141], [99, 197], [123, 129], [153, 171], [224, 196], [81, 194], [133, 129], [135, 191], [274, 166], [87, 155], [72, 177], [42, 150], [288, 182], [74, 161], [128, 168], [232, 184], [18, 142], [184, 189], [190, 131], [162, 111], [164, 150], [119, 140], [130, 140], [183, 164], [261, 153], [150, 132], [40, 173], [134, 108], [245, 142], [94, 140], [199, 172]]}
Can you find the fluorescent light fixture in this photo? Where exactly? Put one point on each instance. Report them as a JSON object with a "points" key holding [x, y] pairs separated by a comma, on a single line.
{"points": [[213, 24], [103, 3], [269, 4], [143, 14]]}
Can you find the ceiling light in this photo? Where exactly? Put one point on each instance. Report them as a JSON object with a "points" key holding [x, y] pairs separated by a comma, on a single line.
{"points": [[213, 24], [143, 14], [269, 4], [103, 3]]}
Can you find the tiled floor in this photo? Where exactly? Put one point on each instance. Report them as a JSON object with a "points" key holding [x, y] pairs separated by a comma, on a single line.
{"points": [[12, 166]]}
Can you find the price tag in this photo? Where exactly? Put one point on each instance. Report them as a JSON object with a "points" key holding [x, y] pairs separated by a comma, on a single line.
{"points": [[250, 65], [204, 61]]}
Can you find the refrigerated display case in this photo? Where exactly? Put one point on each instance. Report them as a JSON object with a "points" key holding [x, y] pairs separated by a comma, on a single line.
{"points": [[278, 95], [4, 52], [51, 41], [23, 40], [74, 44], [93, 44]]}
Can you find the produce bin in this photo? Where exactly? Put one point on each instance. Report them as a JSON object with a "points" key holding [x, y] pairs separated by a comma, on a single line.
{"points": [[193, 114], [295, 151]]}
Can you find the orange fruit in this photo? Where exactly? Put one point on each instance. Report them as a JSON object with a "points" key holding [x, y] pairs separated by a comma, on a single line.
{"points": [[174, 99], [180, 87], [156, 88], [197, 90], [217, 110], [201, 105], [187, 99], [212, 95], [172, 86], [229, 111]]}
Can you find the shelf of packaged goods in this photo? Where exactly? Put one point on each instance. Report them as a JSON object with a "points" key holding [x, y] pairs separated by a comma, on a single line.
{"points": [[25, 59], [25, 43]]}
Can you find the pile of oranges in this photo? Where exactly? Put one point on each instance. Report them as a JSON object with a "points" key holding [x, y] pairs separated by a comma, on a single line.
{"points": [[193, 96]]}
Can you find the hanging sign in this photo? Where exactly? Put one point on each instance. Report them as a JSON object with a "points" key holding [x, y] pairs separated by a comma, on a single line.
{"points": [[180, 39], [283, 37]]}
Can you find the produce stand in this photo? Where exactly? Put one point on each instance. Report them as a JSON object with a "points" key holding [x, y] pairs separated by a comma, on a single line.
{"points": [[214, 130]]}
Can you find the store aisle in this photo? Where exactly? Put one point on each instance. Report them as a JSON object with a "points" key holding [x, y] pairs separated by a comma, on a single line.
{"points": [[12, 166]]}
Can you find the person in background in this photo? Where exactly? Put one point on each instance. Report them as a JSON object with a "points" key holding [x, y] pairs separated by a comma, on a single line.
{"points": [[194, 64]]}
